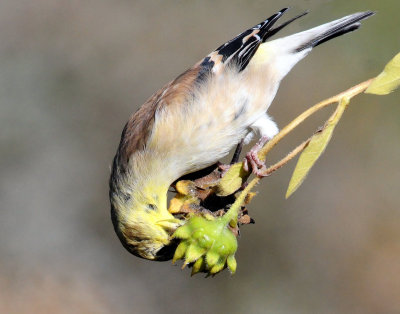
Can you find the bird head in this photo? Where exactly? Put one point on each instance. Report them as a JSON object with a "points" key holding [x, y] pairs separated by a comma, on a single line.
{"points": [[144, 225]]}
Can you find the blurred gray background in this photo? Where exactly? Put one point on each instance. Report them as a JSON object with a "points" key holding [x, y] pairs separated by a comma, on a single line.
{"points": [[71, 73]]}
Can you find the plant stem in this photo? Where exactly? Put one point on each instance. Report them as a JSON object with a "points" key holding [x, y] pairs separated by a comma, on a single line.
{"points": [[233, 212], [355, 90], [288, 157]]}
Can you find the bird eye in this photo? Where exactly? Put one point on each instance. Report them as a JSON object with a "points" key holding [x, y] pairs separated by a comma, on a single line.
{"points": [[151, 206]]}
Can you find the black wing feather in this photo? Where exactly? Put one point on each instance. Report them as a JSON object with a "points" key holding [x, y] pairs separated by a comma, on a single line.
{"points": [[242, 48]]}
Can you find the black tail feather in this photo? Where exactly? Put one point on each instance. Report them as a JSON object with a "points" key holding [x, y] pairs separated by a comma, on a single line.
{"points": [[337, 30], [273, 31]]}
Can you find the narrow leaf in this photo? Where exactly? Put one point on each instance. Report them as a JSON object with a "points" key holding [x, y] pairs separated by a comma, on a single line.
{"points": [[315, 148], [388, 80]]}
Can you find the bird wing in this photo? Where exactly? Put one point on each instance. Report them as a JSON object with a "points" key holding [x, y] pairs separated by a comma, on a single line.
{"points": [[237, 51], [242, 48], [138, 128]]}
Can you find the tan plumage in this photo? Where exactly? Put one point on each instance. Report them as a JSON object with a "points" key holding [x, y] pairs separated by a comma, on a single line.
{"points": [[197, 119]]}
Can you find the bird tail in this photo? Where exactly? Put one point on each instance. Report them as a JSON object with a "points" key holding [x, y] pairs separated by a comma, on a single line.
{"points": [[325, 32], [291, 49]]}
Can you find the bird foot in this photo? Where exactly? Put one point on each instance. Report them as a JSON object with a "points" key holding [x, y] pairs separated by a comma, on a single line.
{"points": [[252, 161]]}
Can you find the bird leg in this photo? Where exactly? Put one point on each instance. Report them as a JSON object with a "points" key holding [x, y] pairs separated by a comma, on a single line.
{"points": [[251, 160], [236, 154]]}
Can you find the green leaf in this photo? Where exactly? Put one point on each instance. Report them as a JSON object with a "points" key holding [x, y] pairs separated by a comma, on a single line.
{"points": [[232, 180], [388, 80], [315, 148]]}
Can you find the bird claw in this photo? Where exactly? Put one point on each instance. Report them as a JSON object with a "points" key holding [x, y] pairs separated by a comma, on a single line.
{"points": [[256, 165], [252, 161]]}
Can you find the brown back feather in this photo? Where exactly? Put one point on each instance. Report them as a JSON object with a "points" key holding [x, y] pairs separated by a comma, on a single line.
{"points": [[138, 128]]}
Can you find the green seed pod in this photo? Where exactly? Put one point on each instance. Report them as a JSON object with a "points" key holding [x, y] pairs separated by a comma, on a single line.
{"points": [[232, 264], [198, 266], [180, 251], [193, 253]]}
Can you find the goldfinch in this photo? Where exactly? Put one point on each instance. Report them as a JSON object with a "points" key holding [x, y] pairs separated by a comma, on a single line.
{"points": [[196, 119]]}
